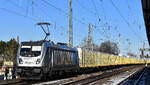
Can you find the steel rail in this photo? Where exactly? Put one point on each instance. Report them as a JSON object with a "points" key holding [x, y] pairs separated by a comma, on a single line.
{"points": [[139, 72], [138, 80], [97, 77]]}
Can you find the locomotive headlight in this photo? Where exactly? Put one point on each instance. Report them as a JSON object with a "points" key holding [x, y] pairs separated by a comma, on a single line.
{"points": [[38, 61], [20, 61]]}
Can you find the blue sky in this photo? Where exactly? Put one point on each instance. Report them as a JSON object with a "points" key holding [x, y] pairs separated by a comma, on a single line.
{"points": [[19, 18]]}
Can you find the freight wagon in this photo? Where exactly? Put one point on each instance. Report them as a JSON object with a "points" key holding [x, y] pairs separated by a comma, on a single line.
{"points": [[91, 59]]}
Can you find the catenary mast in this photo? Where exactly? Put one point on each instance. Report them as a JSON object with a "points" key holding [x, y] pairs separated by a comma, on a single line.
{"points": [[70, 25]]}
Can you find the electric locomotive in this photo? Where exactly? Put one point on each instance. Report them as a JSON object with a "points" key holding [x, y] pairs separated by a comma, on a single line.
{"points": [[41, 59]]}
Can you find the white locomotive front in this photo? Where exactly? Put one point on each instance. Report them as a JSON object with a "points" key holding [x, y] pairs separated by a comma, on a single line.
{"points": [[30, 56], [30, 59]]}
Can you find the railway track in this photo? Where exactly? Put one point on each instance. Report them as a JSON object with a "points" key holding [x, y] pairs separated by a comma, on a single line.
{"points": [[16, 82], [5, 82], [83, 79], [88, 78], [138, 78], [94, 78]]}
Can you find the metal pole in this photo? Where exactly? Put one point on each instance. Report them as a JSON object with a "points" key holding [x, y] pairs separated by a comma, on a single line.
{"points": [[70, 25], [89, 41]]}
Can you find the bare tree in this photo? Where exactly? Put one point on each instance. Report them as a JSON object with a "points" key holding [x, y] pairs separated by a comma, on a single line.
{"points": [[109, 47], [11, 49], [90, 46], [8, 50], [131, 54], [2, 49]]}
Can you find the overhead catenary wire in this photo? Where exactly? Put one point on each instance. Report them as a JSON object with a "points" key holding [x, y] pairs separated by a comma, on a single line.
{"points": [[100, 1], [85, 8], [48, 16], [90, 11], [128, 24], [15, 4], [103, 9], [119, 12], [133, 14], [16, 13], [20, 7], [65, 13], [43, 11], [130, 9], [94, 13], [27, 8], [96, 10], [32, 5], [25, 15], [105, 24], [35, 4], [115, 28], [99, 19], [59, 9]]}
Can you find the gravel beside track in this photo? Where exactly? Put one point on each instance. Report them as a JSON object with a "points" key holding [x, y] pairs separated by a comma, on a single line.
{"points": [[138, 78], [88, 78]]}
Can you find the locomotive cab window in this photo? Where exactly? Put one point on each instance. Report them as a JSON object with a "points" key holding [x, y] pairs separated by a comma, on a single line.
{"points": [[30, 51]]}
